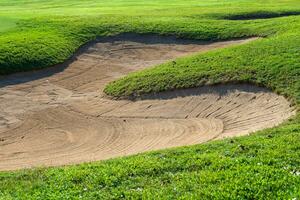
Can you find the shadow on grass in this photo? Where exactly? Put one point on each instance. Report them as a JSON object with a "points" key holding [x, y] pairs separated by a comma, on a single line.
{"points": [[261, 15]]}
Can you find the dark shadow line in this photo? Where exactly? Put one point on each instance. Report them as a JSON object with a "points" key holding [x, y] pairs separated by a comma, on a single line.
{"points": [[261, 15]]}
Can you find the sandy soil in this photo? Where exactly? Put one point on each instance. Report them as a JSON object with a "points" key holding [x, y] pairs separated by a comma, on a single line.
{"points": [[60, 115]]}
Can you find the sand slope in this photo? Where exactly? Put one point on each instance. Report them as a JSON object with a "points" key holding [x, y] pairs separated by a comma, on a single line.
{"points": [[60, 116]]}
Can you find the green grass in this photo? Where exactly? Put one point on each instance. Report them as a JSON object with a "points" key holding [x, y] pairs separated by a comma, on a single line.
{"points": [[273, 62], [264, 165], [6, 23], [48, 32]]}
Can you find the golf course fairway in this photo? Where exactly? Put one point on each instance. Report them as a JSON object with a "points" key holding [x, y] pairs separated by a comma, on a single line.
{"points": [[206, 93]]}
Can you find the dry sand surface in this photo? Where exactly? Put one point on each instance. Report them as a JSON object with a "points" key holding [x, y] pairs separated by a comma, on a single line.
{"points": [[60, 115]]}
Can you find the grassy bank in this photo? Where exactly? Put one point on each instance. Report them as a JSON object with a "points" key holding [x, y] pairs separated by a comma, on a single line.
{"points": [[273, 62], [38, 34], [264, 165]]}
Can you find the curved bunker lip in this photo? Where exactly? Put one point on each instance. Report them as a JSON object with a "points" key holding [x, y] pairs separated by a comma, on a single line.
{"points": [[60, 116]]}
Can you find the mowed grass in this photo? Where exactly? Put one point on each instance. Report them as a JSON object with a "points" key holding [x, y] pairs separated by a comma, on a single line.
{"points": [[48, 32], [264, 165], [6, 23]]}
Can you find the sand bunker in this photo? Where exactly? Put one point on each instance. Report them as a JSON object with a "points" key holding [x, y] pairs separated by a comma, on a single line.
{"points": [[60, 116]]}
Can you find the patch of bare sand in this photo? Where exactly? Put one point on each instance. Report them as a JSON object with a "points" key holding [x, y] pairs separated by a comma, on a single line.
{"points": [[60, 116]]}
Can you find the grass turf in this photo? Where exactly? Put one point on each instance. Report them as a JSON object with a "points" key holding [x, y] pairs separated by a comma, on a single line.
{"points": [[265, 165], [6, 24]]}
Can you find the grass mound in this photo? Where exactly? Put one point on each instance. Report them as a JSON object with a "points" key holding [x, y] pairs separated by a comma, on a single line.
{"points": [[273, 63]]}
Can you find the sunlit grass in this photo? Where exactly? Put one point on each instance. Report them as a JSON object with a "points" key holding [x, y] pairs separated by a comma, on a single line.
{"points": [[36, 34]]}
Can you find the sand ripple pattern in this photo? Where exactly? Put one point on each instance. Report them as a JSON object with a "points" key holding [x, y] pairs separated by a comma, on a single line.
{"points": [[60, 116]]}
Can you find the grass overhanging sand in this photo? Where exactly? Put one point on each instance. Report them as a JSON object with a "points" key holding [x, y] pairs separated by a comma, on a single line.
{"points": [[264, 165]]}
